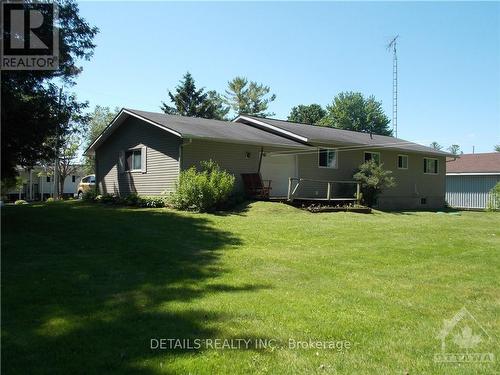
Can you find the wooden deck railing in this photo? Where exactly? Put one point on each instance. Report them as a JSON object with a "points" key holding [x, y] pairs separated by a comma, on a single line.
{"points": [[292, 190]]}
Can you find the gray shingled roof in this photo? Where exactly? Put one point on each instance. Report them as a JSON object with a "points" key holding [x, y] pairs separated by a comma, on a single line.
{"points": [[200, 128], [243, 130], [194, 127], [326, 135]]}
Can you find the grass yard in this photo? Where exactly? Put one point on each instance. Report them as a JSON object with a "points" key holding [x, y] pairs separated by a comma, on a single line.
{"points": [[85, 288]]}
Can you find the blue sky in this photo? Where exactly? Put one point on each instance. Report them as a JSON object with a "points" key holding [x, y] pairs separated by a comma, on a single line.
{"points": [[449, 58]]}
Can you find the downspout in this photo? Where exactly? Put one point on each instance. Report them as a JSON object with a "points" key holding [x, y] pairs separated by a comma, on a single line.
{"points": [[181, 148], [180, 158]]}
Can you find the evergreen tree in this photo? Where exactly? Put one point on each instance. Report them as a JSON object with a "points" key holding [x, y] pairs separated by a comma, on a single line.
{"points": [[221, 109], [190, 101], [436, 146], [455, 150], [250, 98]]}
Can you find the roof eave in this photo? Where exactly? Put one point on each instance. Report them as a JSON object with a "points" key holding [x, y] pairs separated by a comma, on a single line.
{"points": [[311, 141], [245, 142], [272, 127], [367, 146], [114, 124]]}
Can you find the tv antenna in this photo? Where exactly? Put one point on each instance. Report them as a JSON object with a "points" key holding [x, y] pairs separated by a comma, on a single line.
{"points": [[392, 45]]}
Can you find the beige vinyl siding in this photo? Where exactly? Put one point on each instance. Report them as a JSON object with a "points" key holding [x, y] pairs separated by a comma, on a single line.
{"points": [[162, 159], [229, 156], [412, 183]]}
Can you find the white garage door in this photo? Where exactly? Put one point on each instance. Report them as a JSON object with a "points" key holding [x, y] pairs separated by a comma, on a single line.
{"points": [[278, 168]]}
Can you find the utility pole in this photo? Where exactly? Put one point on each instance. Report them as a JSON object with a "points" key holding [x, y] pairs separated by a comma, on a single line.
{"points": [[392, 45], [55, 190]]}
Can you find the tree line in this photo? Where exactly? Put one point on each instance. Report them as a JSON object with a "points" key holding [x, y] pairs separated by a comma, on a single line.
{"points": [[348, 110]]}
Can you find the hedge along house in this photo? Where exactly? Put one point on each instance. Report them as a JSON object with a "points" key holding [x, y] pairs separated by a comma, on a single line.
{"points": [[470, 178], [144, 152]]}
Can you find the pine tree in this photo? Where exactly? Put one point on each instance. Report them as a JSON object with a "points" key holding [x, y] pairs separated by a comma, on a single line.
{"points": [[246, 97]]}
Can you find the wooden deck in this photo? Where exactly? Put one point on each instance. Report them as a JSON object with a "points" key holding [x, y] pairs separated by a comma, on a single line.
{"points": [[295, 183]]}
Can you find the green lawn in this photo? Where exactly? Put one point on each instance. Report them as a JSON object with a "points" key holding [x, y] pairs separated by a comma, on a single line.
{"points": [[85, 288]]}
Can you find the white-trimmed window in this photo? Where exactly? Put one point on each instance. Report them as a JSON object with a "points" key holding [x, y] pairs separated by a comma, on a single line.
{"points": [[402, 161], [327, 158], [370, 155], [430, 166], [133, 160]]}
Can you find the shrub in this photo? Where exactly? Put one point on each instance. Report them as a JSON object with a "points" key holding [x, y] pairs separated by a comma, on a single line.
{"points": [[152, 202], [132, 199], [50, 200], [20, 202], [373, 179], [108, 198], [494, 198], [90, 195], [204, 190]]}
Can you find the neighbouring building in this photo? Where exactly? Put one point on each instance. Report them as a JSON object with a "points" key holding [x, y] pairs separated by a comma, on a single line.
{"points": [[38, 183], [144, 152], [469, 179]]}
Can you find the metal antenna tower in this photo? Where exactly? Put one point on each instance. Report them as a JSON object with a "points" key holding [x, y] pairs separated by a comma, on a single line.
{"points": [[392, 45]]}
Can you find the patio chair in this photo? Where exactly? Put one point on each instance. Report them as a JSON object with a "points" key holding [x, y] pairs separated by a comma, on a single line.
{"points": [[255, 186]]}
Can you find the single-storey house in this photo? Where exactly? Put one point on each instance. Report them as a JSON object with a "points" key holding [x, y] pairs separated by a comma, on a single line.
{"points": [[470, 178], [144, 152]]}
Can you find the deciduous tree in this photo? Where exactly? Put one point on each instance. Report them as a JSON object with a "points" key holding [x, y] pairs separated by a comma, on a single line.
{"points": [[352, 111], [307, 114], [67, 160], [99, 119], [33, 111]]}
